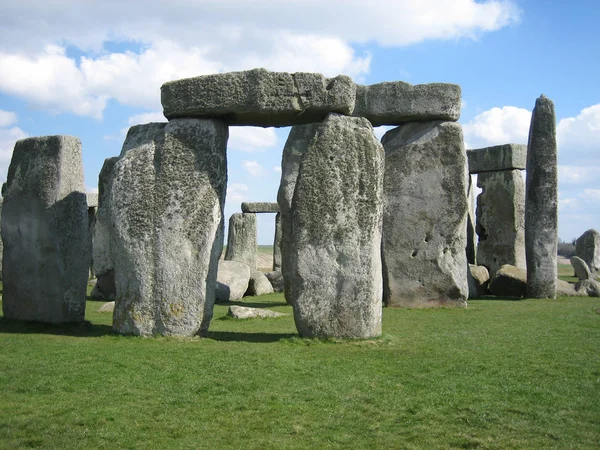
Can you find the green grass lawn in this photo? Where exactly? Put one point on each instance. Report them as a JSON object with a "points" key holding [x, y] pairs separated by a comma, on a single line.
{"points": [[500, 374]]}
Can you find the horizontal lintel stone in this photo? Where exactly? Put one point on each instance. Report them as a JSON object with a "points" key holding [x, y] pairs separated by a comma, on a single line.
{"points": [[260, 207], [498, 157]]}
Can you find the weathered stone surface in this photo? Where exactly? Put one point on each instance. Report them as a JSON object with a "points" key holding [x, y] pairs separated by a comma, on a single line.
{"points": [[277, 243], [587, 247], [509, 281], [335, 259], [47, 245], [582, 271], [258, 284], [105, 288], [564, 288], [1, 243], [166, 214], [479, 278], [498, 157], [471, 223], [541, 202], [501, 220], [241, 240], [297, 142], [102, 260], [92, 199], [107, 307], [260, 207], [588, 287], [397, 102], [258, 97], [425, 216], [243, 312], [276, 280], [232, 281]]}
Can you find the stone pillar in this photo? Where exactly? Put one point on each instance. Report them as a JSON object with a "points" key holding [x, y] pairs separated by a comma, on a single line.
{"points": [[241, 240], [165, 209], [47, 246], [334, 246], [471, 234], [425, 216], [298, 140], [277, 243], [541, 202], [587, 247], [500, 220]]}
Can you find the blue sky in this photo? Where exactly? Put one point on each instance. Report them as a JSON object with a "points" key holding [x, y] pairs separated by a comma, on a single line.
{"points": [[92, 69]]}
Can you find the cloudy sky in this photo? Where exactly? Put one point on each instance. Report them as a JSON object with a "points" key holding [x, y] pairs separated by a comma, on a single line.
{"points": [[93, 68]]}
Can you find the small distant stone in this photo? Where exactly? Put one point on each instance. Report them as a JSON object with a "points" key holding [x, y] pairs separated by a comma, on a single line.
{"points": [[582, 271], [243, 312], [107, 307]]}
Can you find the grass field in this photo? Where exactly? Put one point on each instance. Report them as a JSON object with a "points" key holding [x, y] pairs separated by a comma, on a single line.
{"points": [[500, 374]]}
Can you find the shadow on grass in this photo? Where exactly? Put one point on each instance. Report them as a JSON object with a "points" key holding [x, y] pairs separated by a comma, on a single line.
{"points": [[493, 297], [83, 329], [230, 336], [254, 304]]}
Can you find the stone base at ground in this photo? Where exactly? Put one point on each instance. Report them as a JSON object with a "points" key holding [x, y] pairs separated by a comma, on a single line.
{"points": [[232, 281], [509, 281], [259, 284]]}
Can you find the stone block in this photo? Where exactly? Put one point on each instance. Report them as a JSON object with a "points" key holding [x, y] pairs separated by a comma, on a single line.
{"points": [[260, 207], [498, 157]]}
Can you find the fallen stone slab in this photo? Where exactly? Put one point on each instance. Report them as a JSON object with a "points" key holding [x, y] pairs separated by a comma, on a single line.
{"points": [[232, 281], [45, 230], [498, 157], [397, 102], [259, 98], [243, 312], [582, 271], [566, 289], [260, 207], [107, 307], [590, 288], [479, 278], [259, 284], [509, 281]]}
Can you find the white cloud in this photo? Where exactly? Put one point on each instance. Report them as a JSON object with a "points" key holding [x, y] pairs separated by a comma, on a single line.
{"points": [[592, 194], [277, 169], [8, 137], [7, 118], [254, 168], [497, 126], [236, 192], [251, 139], [577, 174], [147, 117], [579, 137], [380, 131]]}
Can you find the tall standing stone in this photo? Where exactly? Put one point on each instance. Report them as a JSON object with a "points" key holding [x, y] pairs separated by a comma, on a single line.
{"points": [[277, 243], [587, 247], [471, 225], [47, 246], [425, 216], [241, 240], [297, 142], [166, 214], [334, 248], [541, 202], [501, 220]]}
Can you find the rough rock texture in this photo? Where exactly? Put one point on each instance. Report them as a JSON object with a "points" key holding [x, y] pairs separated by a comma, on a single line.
{"points": [[509, 281], [588, 287], [260, 207], [241, 240], [582, 271], [258, 97], [501, 220], [1, 243], [92, 199], [276, 280], [335, 259], [425, 216], [102, 263], [587, 247], [166, 215], [232, 281], [564, 288], [471, 223], [394, 103], [258, 284], [107, 307], [243, 312], [297, 142], [541, 202], [277, 243], [479, 278], [47, 245], [498, 157]]}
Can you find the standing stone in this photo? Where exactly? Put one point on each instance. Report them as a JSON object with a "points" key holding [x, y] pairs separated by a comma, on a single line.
{"points": [[541, 202], [335, 240], [582, 270], [166, 215], [587, 247], [297, 142], [425, 216], [47, 247], [277, 243], [500, 220], [103, 265], [471, 224], [241, 240], [1, 243]]}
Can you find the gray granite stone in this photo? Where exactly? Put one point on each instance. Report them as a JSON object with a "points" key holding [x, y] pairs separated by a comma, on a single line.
{"points": [[241, 241], [587, 247], [232, 281], [498, 157], [277, 243], [582, 271], [260, 207]]}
